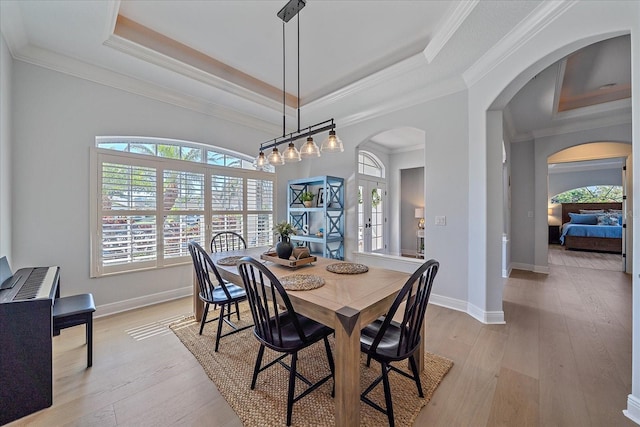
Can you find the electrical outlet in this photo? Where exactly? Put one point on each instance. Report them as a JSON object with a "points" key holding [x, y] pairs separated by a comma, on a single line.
{"points": [[530, 214], [441, 220]]}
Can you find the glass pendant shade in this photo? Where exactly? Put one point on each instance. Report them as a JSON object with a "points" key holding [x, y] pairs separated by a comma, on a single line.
{"points": [[275, 158], [261, 160], [309, 149], [332, 143], [291, 154]]}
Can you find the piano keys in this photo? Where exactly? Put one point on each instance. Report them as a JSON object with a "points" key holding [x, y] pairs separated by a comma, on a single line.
{"points": [[26, 348]]}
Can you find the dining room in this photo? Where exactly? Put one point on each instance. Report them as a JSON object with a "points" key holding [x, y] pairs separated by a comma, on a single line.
{"points": [[131, 128]]}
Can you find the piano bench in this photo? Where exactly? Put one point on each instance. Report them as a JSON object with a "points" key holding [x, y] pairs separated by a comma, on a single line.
{"points": [[72, 311]]}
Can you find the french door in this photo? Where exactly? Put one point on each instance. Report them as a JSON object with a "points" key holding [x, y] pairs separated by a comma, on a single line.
{"points": [[372, 218]]}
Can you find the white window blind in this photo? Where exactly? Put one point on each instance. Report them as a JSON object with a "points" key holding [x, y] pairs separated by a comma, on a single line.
{"points": [[127, 218], [260, 205], [183, 204], [148, 208]]}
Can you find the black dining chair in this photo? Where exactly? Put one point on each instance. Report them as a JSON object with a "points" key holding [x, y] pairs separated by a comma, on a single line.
{"points": [[280, 328], [227, 241], [386, 340], [223, 294]]}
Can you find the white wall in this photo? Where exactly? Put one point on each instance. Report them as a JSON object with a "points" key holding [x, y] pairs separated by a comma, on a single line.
{"points": [[446, 182], [522, 202], [5, 150], [56, 120]]}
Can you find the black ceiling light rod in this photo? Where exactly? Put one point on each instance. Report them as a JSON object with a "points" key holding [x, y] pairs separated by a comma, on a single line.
{"points": [[294, 136], [291, 9], [310, 148]]}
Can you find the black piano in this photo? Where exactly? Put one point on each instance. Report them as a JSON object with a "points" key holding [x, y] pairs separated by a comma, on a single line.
{"points": [[26, 353]]}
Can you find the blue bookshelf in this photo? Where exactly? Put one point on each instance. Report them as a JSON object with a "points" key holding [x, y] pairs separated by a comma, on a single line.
{"points": [[326, 213]]}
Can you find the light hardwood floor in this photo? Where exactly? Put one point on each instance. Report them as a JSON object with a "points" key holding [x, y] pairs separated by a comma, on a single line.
{"points": [[562, 359]]}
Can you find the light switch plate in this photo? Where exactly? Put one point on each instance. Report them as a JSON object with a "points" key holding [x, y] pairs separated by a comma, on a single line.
{"points": [[441, 220]]}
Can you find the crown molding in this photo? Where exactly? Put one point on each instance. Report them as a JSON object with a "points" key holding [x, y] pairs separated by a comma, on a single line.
{"points": [[12, 26], [151, 56], [521, 137], [370, 82], [584, 125], [407, 149], [449, 28], [602, 108], [113, 8], [537, 20], [407, 99], [73, 67]]}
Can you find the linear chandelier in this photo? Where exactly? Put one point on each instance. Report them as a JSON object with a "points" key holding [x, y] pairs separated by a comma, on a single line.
{"points": [[309, 149]]}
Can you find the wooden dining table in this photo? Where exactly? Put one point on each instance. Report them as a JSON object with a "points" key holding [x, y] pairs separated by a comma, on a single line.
{"points": [[346, 303]]}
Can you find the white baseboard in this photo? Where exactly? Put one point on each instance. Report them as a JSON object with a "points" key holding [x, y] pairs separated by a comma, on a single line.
{"points": [[488, 317], [633, 409], [530, 267], [133, 303], [446, 302], [409, 265], [507, 272]]}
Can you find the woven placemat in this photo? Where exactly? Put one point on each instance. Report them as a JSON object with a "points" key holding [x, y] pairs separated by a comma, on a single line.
{"points": [[231, 369], [301, 282], [347, 268], [230, 260]]}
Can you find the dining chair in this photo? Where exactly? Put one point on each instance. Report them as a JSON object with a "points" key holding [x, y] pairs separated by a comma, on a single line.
{"points": [[227, 241], [223, 295], [280, 328], [224, 241], [387, 340]]}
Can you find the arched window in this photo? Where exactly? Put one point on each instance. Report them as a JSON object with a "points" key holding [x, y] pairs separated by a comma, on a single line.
{"points": [[152, 196], [369, 164], [179, 150], [591, 194]]}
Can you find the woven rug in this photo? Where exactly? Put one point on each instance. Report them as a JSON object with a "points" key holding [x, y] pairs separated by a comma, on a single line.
{"points": [[231, 369]]}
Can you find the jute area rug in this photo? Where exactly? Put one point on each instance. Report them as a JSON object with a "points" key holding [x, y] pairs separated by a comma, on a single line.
{"points": [[231, 369]]}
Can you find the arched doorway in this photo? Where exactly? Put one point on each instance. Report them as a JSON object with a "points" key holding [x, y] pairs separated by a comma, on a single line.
{"points": [[487, 99]]}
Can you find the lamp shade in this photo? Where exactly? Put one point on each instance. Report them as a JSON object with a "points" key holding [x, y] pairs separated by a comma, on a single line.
{"points": [[275, 158], [332, 143], [309, 149], [419, 213], [261, 160], [291, 154]]}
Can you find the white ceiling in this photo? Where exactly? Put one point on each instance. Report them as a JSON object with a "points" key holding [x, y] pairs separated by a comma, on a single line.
{"points": [[356, 56]]}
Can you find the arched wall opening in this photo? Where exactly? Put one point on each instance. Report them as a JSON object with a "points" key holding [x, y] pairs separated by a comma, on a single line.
{"points": [[487, 99], [578, 25], [400, 148]]}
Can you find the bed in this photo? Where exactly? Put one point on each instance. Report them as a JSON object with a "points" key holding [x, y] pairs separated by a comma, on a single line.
{"points": [[579, 231]]}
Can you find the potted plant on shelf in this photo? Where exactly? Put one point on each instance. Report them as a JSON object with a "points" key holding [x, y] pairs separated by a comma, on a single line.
{"points": [[307, 198], [284, 247]]}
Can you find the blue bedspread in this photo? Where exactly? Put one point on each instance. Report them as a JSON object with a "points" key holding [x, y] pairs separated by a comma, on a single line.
{"points": [[612, 231]]}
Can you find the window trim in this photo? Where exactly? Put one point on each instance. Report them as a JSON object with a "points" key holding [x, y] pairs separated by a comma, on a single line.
{"points": [[99, 156]]}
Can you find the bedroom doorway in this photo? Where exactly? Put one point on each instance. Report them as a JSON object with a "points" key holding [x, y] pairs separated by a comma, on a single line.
{"points": [[592, 174]]}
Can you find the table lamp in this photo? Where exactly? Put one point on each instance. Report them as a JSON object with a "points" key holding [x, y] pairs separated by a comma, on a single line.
{"points": [[419, 213]]}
